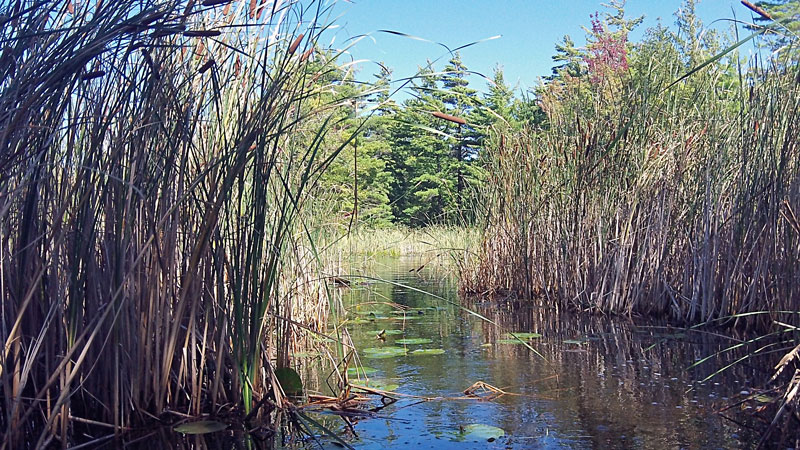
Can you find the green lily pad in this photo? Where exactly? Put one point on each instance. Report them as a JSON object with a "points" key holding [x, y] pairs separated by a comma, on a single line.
{"points": [[511, 341], [359, 371], [200, 427], [428, 351], [407, 318], [574, 341], [481, 432], [413, 341], [368, 313], [358, 321], [388, 332], [384, 352], [289, 380], [382, 385], [523, 336], [764, 399]]}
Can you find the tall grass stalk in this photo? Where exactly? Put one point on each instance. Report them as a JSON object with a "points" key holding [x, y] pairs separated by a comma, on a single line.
{"points": [[645, 196], [154, 156], [636, 199]]}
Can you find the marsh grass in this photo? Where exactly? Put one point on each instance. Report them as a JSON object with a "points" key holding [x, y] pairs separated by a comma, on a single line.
{"points": [[442, 250], [154, 157], [646, 196], [679, 203]]}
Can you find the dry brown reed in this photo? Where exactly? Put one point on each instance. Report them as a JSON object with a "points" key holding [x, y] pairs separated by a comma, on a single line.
{"points": [[636, 200], [149, 261]]}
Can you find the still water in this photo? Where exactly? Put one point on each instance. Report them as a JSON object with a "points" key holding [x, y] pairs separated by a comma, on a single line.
{"points": [[596, 382]]}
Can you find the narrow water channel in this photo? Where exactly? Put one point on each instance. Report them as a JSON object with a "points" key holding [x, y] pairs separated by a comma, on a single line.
{"points": [[596, 383]]}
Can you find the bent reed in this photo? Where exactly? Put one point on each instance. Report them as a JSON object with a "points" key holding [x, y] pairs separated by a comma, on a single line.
{"points": [[154, 157]]}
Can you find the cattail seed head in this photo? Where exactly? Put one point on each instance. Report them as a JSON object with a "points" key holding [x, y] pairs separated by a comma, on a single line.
{"points": [[295, 44], [202, 33], [449, 118]]}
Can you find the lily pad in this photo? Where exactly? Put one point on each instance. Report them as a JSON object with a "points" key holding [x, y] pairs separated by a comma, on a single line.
{"points": [[574, 341], [478, 432], [413, 341], [388, 332], [359, 371], [428, 351], [764, 399], [289, 380], [384, 352], [382, 385], [523, 336], [511, 341], [407, 318], [200, 427], [481, 431]]}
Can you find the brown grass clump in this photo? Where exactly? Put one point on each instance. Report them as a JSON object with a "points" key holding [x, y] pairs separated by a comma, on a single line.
{"points": [[683, 208], [150, 267]]}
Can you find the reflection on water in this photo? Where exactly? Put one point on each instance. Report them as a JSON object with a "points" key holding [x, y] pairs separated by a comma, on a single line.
{"points": [[602, 382], [596, 383]]}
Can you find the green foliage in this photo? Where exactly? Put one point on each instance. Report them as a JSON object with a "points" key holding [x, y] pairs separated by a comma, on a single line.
{"points": [[786, 12]]}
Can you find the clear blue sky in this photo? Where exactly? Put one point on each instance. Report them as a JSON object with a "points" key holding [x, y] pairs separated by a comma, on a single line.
{"points": [[529, 30]]}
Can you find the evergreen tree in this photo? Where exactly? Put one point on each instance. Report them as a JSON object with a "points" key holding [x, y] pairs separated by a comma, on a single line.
{"points": [[500, 98], [355, 187], [787, 13], [460, 101], [418, 159], [568, 59]]}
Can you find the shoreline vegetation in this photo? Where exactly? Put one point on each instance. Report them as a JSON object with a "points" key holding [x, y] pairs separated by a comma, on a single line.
{"points": [[154, 159], [445, 251], [642, 195], [182, 184]]}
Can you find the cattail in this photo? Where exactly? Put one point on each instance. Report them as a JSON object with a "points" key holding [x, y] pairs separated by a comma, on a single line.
{"points": [[227, 9], [92, 75], [295, 44], [161, 32], [237, 66], [153, 17], [70, 7], [202, 33], [305, 55], [450, 118], [757, 9], [253, 6], [206, 66]]}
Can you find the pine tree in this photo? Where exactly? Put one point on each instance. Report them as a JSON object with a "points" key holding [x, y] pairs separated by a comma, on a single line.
{"points": [[785, 12], [569, 60], [460, 101]]}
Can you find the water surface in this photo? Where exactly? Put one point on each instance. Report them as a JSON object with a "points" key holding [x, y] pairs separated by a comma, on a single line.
{"points": [[597, 382]]}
